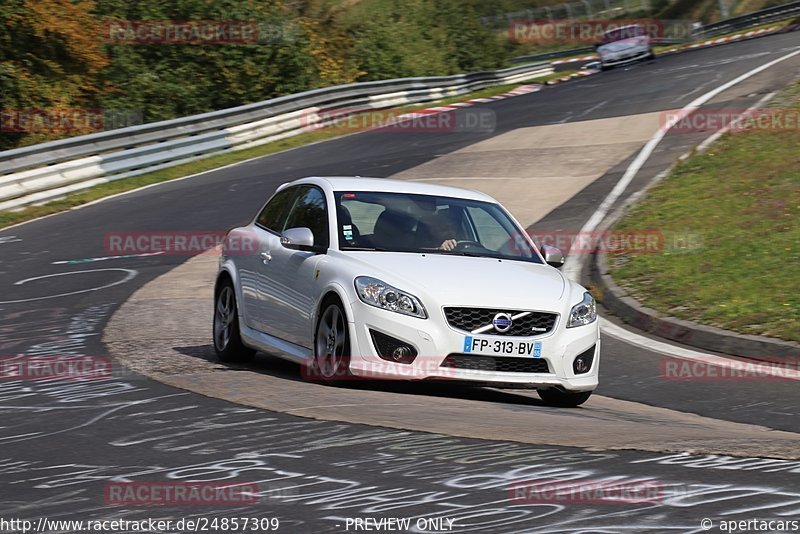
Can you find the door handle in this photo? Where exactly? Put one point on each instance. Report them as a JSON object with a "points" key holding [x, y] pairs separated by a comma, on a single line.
{"points": [[266, 257]]}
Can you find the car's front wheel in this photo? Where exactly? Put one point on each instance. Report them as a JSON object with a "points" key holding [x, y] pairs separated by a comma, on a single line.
{"points": [[563, 399], [331, 344], [227, 338]]}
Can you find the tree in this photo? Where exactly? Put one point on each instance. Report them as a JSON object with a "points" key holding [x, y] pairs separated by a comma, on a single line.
{"points": [[50, 58]]}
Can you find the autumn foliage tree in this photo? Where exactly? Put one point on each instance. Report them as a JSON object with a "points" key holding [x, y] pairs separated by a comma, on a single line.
{"points": [[50, 57], [62, 54]]}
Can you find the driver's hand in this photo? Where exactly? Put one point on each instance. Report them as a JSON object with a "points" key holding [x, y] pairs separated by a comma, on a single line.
{"points": [[449, 245]]}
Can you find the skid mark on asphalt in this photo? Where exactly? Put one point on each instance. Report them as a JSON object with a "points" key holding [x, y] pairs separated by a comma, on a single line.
{"points": [[175, 311]]}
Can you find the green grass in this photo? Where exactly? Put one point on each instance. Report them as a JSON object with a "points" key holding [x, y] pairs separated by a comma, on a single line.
{"points": [[739, 206], [73, 200]]}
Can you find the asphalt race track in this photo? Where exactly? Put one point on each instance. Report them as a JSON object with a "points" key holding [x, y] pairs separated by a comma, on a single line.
{"points": [[64, 442]]}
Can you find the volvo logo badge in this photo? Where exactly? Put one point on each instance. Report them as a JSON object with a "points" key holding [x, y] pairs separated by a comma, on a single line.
{"points": [[502, 322]]}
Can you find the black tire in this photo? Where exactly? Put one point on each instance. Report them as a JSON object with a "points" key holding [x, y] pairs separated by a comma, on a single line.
{"points": [[651, 55], [331, 361], [227, 337], [563, 399]]}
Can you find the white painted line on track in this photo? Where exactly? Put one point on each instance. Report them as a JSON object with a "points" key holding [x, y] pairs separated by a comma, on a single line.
{"points": [[653, 345], [574, 263], [130, 274], [593, 108], [104, 258]]}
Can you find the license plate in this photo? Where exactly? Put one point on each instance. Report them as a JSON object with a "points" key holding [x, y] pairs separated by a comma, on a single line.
{"points": [[502, 347]]}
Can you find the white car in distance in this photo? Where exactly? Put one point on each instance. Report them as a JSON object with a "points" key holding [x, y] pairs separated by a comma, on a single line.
{"points": [[624, 45], [386, 279]]}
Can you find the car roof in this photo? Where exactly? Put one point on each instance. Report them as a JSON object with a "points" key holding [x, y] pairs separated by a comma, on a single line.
{"points": [[618, 28], [357, 183]]}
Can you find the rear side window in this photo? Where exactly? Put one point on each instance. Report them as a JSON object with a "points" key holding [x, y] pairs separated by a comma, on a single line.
{"points": [[310, 211], [274, 213]]}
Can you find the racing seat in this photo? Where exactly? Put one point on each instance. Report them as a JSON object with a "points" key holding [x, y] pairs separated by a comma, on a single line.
{"points": [[394, 230]]}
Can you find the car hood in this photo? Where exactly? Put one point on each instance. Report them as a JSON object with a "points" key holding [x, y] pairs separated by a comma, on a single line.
{"points": [[465, 281], [618, 46]]}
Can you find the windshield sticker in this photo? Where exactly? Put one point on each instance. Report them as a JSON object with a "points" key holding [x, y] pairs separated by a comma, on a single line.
{"points": [[347, 230]]}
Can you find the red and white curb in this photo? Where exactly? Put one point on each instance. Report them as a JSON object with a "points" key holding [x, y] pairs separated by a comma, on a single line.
{"points": [[521, 90], [532, 88], [711, 42], [575, 59], [579, 74], [730, 38]]}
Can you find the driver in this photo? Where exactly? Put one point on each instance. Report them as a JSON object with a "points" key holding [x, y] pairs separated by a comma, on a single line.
{"points": [[436, 229]]}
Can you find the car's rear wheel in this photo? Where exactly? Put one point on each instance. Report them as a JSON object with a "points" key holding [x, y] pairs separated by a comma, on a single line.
{"points": [[227, 338], [331, 344], [563, 399]]}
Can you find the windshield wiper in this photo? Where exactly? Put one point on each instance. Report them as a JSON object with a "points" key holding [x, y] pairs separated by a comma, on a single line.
{"points": [[458, 253]]}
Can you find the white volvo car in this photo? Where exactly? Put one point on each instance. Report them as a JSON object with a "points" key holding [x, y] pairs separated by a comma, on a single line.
{"points": [[386, 279]]}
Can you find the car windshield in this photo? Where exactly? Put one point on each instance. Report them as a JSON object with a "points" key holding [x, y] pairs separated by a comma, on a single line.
{"points": [[619, 34], [400, 222]]}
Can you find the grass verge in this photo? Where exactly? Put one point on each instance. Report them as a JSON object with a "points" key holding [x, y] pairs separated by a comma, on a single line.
{"points": [[731, 219], [8, 218]]}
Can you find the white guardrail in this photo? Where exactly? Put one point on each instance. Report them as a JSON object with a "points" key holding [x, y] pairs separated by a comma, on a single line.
{"points": [[45, 171]]}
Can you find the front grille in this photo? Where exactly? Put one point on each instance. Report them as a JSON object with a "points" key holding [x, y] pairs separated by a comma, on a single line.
{"points": [[501, 364], [471, 319]]}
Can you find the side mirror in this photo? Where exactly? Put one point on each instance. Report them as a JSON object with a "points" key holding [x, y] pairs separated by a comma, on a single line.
{"points": [[298, 239], [553, 256]]}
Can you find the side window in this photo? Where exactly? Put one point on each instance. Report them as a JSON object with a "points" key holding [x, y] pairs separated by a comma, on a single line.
{"points": [[310, 211], [273, 213]]}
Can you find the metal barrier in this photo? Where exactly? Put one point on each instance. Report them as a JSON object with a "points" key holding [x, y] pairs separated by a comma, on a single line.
{"points": [[48, 170], [756, 18]]}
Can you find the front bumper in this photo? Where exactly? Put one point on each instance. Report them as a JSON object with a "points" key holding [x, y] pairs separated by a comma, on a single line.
{"points": [[626, 56], [434, 340]]}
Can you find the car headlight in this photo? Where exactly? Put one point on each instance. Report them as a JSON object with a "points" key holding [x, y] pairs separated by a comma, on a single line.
{"points": [[583, 313], [381, 295]]}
